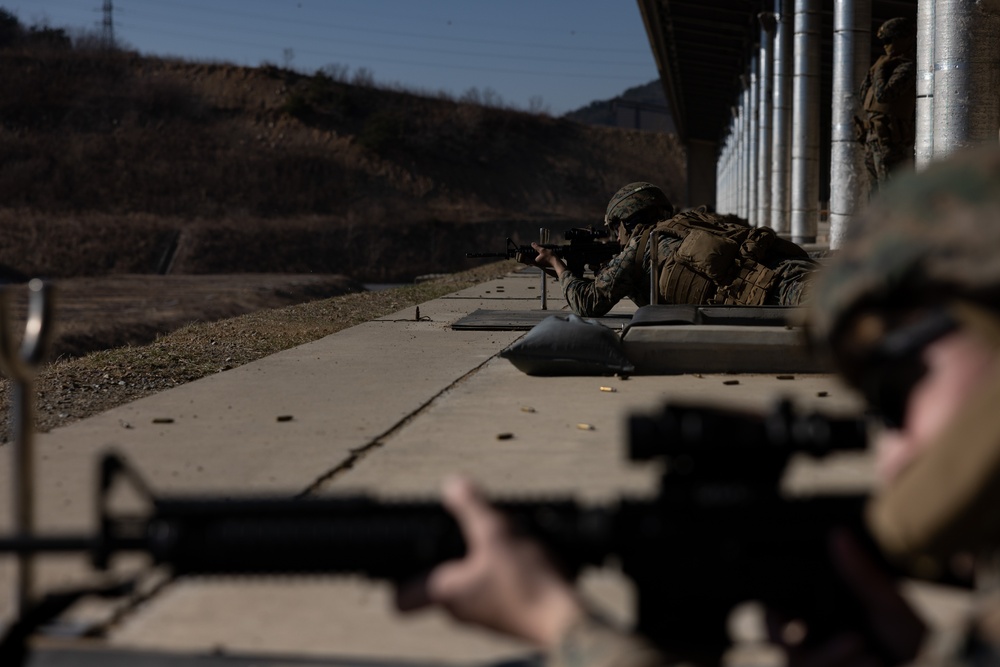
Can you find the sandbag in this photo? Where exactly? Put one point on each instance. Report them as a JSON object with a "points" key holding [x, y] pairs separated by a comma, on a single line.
{"points": [[569, 345]]}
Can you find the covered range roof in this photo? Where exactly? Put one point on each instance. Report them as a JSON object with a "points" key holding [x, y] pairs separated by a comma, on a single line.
{"points": [[702, 47]]}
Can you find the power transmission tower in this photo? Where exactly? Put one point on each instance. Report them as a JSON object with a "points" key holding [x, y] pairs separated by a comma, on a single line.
{"points": [[108, 25]]}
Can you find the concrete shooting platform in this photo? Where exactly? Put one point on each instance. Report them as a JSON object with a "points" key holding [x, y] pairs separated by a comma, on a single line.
{"points": [[387, 408]]}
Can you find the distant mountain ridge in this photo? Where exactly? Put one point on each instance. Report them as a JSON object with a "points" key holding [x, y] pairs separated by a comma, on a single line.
{"points": [[639, 107]]}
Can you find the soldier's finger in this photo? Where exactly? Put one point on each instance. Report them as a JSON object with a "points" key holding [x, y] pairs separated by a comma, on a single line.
{"points": [[480, 523], [453, 583]]}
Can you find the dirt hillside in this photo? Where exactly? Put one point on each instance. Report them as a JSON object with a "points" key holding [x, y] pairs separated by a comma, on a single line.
{"points": [[117, 163]]}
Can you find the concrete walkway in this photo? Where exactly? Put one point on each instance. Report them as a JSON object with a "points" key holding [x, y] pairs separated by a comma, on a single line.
{"points": [[389, 408]]}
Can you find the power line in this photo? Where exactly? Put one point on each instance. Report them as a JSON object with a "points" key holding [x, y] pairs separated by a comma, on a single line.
{"points": [[353, 29], [520, 45], [326, 54], [279, 39]]}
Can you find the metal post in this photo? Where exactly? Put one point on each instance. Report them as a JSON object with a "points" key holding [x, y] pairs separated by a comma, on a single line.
{"points": [[851, 55], [654, 261], [543, 238], [20, 366]]}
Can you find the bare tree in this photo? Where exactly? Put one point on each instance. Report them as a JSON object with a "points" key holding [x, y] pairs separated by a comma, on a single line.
{"points": [[492, 98], [336, 71], [471, 96], [537, 105], [364, 77]]}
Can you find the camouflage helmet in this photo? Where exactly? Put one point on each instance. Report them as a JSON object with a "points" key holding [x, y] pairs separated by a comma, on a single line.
{"points": [[638, 198], [930, 238], [896, 29]]}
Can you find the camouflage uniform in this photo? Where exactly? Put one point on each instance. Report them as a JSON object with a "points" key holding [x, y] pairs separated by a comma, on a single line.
{"points": [[619, 279], [888, 96], [701, 258], [622, 277], [930, 241]]}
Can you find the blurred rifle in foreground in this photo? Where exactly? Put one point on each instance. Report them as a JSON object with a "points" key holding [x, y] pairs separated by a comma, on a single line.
{"points": [[585, 249], [719, 531]]}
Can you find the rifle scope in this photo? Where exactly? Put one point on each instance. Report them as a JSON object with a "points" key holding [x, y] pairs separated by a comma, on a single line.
{"points": [[680, 430], [585, 234]]}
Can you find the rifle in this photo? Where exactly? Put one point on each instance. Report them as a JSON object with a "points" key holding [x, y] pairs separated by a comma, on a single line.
{"points": [[584, 250], [718, 532]]}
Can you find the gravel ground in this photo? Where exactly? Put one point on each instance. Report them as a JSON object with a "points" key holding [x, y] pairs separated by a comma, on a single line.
{"points": [[72, 389]]}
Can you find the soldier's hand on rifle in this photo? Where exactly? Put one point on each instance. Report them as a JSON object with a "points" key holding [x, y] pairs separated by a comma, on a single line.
{"points": [[505, 582], [547, 261]]}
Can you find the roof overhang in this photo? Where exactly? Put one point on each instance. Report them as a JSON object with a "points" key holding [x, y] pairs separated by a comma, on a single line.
{"points": [[703, 47]]}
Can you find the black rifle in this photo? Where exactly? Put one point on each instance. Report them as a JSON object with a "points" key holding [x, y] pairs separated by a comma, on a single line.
{"points": [[584, 250], [718, 533]]}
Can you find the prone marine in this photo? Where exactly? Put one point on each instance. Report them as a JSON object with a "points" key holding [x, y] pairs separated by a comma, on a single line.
{"points": [[699, 258]]}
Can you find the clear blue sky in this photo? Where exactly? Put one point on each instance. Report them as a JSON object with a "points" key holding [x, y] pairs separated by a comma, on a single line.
{"points": [[568, 53]]}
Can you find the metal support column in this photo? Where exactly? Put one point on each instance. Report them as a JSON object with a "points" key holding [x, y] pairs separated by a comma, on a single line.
{"points": [[781, 140], [966, 66], [851, 55], [753, 119], [805, 123], [924, 140], [765, 120], [745, 178]]}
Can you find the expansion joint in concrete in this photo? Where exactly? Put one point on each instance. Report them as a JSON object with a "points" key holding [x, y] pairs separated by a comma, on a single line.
{"points": [[379, 441]]}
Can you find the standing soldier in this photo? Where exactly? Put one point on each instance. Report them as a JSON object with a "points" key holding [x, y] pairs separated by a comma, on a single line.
{"points": [[889, 96]]}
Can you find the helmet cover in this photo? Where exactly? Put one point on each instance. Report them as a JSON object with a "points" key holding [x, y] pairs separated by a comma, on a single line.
{"points": [[636, 198]]}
